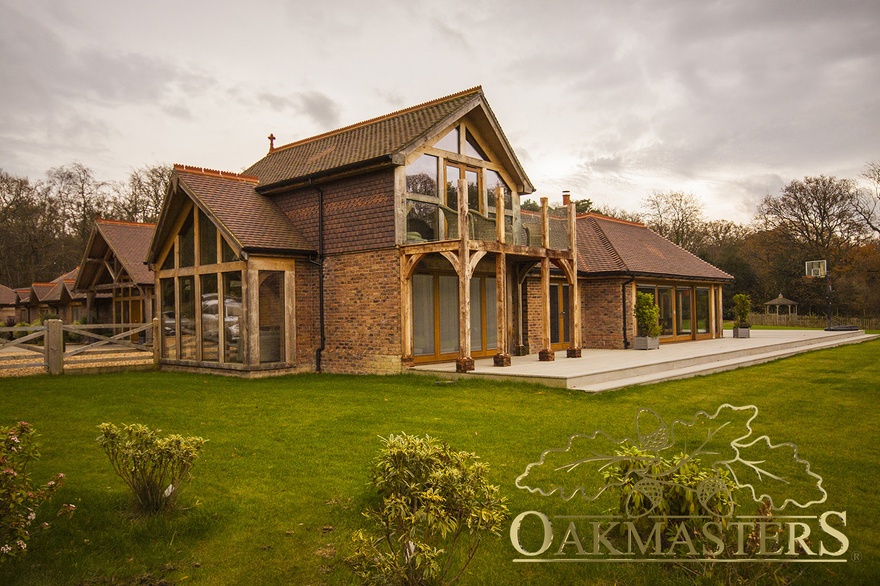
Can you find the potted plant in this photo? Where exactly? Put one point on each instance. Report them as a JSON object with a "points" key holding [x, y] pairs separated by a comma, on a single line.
{"points": [[647, 323], [742, 307]]}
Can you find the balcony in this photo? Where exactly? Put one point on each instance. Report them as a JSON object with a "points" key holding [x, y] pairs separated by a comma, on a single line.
{"points": [[434, 222]]}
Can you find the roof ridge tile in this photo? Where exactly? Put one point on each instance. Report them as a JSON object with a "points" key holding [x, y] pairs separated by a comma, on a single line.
{"points": [[215, 173]]}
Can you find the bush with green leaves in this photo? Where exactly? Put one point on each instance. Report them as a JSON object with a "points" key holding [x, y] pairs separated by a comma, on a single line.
{"points": [[742, 307], [20, 500], [155, 468], [647, 316], [436, 507], [651, 484]]}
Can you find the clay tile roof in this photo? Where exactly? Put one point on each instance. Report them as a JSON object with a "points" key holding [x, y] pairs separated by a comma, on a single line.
{"points": [[373, 139], [7, 296], [42, 290], [129, 242], [230, 199], [609, 245]]}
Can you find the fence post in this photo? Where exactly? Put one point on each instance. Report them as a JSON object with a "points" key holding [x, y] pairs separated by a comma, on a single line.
{"points": [[54, 347], [156, 341]]}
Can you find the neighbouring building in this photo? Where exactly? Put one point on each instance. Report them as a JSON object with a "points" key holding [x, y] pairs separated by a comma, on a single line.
{"points": [[114, 278], [396, 241], [8, 300], [56, 298]]}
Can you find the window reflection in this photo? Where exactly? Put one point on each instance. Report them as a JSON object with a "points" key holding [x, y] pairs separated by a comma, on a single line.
{"points": [[210, 319], [421, 175], [421, 222], [473, 184], [187, 319], [453, 174], [232, 317], [169, 322]]}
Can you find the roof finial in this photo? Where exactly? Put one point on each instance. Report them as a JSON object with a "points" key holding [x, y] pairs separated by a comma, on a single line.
{"points": [[271, 142]]}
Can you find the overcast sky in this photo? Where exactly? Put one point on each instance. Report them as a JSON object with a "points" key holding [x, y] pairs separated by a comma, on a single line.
{"points": [[610, 99]]}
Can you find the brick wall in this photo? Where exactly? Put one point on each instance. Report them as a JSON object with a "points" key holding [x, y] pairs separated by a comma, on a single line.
{"points": [[362, 313], [358, 212], [602, 321], [532, 314], [308, 334], [601, 313]]}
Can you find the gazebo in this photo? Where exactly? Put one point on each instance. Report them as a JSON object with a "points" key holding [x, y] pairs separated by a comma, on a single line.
{"points": [[780, 302]]}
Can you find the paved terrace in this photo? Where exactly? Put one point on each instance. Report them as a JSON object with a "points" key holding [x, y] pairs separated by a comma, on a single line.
{"points": [[602, 370]]}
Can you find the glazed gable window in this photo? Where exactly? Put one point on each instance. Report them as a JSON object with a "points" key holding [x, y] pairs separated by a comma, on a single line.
{"points": [[432, 186]]}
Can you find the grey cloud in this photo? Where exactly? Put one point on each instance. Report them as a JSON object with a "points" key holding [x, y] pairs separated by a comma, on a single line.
{"points": [[320, 108], [317, 106]]}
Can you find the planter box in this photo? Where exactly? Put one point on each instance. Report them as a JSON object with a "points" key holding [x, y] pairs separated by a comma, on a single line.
{"points": [[645, 343], [741, 332]]}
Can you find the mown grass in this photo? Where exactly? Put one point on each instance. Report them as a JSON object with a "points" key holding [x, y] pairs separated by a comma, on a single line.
{"points": [[284, 475]]}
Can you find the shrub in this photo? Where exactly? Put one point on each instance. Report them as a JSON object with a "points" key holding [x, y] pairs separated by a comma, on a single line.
{"points": [[742, 307], [20, 501], [647, 316], [154, 468], [437, 505], [21, 324]]}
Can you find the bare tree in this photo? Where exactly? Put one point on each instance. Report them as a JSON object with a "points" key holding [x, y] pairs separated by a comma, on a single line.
{"points": [[677, 216], [868, 202], [818, 215], [35, 246], [140, 199], [78, 197]]}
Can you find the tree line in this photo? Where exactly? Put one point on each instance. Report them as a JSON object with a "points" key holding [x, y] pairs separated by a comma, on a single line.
{"points": [[814, 218], [45, 224]]}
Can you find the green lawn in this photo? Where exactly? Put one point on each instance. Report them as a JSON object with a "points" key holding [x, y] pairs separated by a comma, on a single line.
{"points": [[283, 477]]}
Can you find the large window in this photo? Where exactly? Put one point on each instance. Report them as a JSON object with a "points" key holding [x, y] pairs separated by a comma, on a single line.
{"points": [[685, 311], [436, 311], [232, 317], [271, 316], [200, 296], [432, 187], [187, 319], [210, 318], [702, 307], [169, 319]]}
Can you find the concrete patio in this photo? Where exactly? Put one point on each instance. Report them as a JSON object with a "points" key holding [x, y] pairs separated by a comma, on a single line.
{"points": [[602, 370]]}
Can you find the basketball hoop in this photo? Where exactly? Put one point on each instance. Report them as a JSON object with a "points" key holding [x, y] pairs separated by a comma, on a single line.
{"points": [[816, 269]]}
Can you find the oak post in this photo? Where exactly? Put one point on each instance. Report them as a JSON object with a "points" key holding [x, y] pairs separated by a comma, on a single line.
{"points": [[54, 347], [465, 362]]}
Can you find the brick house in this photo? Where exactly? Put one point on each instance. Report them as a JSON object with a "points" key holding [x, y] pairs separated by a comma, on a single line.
{"points": [[616, 258], [55, 298], [117, 284], [367, 249], [8, 300]]}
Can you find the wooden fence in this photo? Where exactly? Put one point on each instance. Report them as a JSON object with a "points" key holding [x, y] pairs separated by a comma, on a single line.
{"points": [[813, 321], [56, 347]]}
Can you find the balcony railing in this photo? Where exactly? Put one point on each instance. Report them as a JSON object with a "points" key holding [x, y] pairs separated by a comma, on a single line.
{"points": [[430, 222]]}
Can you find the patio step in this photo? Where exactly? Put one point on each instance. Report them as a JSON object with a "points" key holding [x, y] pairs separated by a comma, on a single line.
{"points": [[700, 365]]}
